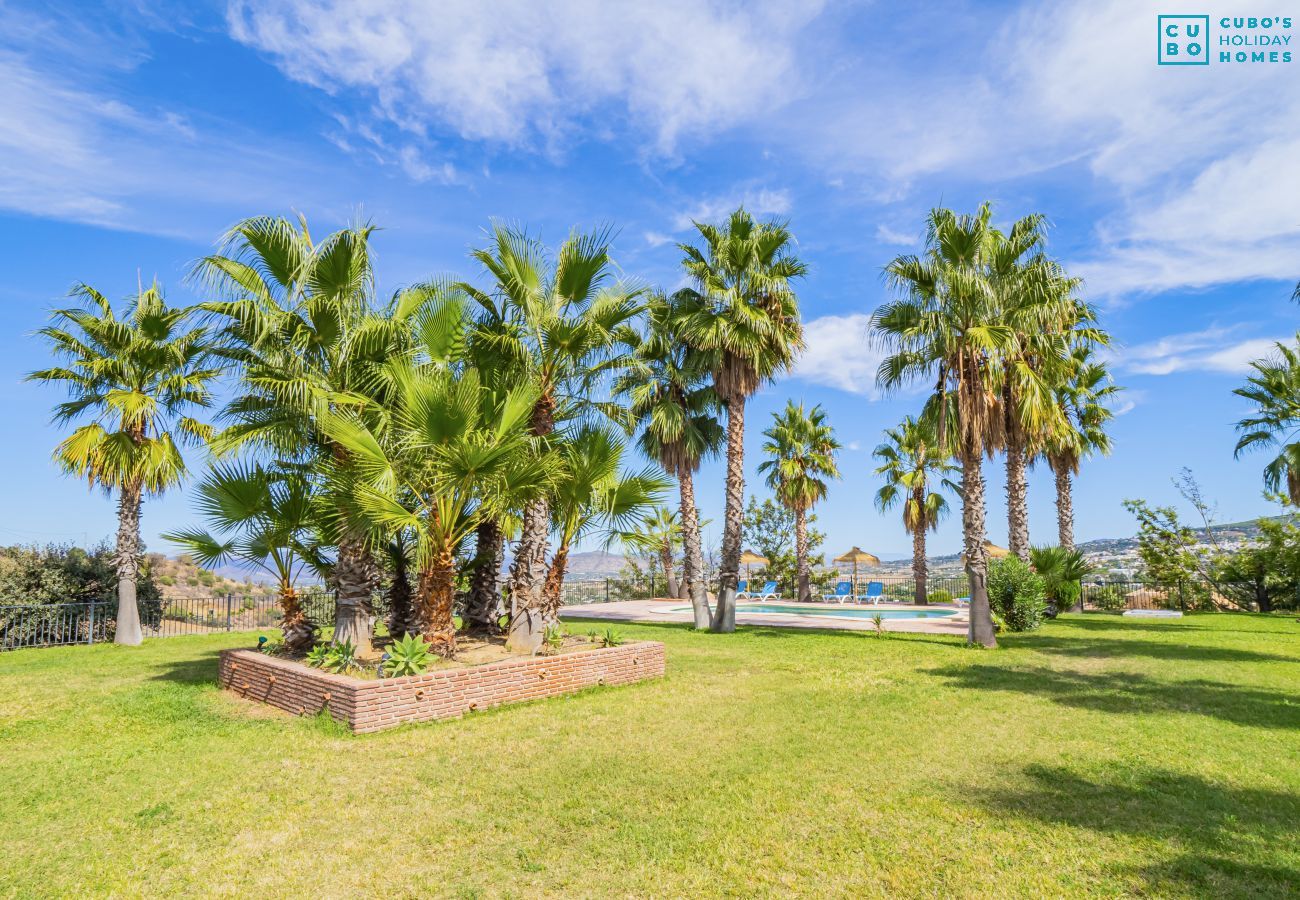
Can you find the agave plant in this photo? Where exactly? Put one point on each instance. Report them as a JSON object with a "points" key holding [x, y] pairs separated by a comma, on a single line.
{"points": [[340, 658], [408, 656]]}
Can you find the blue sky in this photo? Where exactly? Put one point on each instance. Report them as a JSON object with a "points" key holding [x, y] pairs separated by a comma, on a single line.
{"points": [[133, 134]]}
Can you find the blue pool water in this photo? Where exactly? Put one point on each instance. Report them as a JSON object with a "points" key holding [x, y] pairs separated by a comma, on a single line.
{"points": [[839, 612]]}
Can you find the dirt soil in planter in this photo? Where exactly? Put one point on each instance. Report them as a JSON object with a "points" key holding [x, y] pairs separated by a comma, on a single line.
{"points": [[471, 650]]}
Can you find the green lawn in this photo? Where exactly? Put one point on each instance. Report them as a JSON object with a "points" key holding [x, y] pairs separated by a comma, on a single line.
{"points": [[1098, 756]]}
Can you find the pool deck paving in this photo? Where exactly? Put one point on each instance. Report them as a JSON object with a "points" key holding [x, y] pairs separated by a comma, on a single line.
{"points": [[662, 610]]}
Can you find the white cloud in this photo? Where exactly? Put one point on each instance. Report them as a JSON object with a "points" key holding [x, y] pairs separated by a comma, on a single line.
{"points": [[895, 237], [760, 202], [839, 355], [1211, 350], [657, 239], [517, 70]]}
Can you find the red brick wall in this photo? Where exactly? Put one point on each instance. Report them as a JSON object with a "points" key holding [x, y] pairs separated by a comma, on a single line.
{"points": [[375, 705]]}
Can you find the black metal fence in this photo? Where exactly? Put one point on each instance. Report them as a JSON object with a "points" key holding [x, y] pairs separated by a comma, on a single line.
{"points": [[54, 624]]}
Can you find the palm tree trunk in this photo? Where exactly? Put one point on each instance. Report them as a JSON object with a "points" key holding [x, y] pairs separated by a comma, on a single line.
{"points": [[485, 609], [297, 628], [1017, 502], [435, 603], [1064, 507], [972, 517], [128, 566], [399, 596], [920, 596], [355, 579], [803, 581], [724, 614], [528, 578], [693, 553], [553, 590], [670, 569]]}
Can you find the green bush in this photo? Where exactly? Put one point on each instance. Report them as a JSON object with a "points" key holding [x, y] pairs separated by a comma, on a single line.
{"points": [[1016, 593], [1110, 598], [408, 656], [939, 596]]}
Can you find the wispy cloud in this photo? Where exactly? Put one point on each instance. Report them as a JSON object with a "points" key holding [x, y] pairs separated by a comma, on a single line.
{"points": [[760, 202], [519, 71], [895, 237], [1211, 350]]}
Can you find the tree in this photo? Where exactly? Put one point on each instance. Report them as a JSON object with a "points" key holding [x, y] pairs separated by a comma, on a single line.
{"points": [[947, 329], [263, 519], [768, 529], [451, 453], [1082, 397], [592, 494], [1274, 390], [1062, 570], [746, 317], [565, 326], [915, 467], [659, 534], [300, 321], [801, 449], [136, 377], [1036, 305], [667, 389]]}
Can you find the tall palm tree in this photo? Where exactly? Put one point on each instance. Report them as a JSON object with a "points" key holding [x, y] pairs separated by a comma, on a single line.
{"points": [[135, 377], [944, 330], [565, 325], [301, 322], [668, 392], [449, 453], [1034, 303], [747, 320], [264, 519], [801, 449], [592, 494], [1274, 390], [915, 467], [1082, 396]]}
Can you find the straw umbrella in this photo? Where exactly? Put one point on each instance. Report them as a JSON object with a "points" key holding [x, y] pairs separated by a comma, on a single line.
{"points": [[750, 558], [857, 556], [993, 550]]}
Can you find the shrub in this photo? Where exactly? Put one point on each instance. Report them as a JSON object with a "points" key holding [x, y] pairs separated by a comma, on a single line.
{"points": [[340, 658], [409, 656], [1016, 594], [1061, 570], [316, 655], [1110, 598], [939, 596], [611, 638], [554, 637]]}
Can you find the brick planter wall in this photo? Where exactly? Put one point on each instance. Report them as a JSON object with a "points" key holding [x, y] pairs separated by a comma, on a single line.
{"points": [[375, 705]]}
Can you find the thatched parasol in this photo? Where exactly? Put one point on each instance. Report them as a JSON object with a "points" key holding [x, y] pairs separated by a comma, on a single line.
{"points": [[992, 549], [750, 558], [855, 556]]}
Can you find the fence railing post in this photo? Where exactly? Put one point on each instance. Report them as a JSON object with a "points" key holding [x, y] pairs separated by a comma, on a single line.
{"points": [[606, 590], [229, 599], [90, 636], [1182, 595]]}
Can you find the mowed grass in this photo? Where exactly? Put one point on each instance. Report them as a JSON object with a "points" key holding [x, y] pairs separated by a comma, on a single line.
{"points": [[1098, 756]]}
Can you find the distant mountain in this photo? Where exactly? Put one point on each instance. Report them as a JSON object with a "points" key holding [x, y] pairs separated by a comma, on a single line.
{"points": [[595, 564]]}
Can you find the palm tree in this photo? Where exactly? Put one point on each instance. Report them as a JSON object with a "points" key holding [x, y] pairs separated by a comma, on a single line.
{"points": [[667, 389], [450, 453], [592, 494], [914, 464], [564, 325], [944, 330], [746, 318], [801, 449], [135, 377], [1274, 390], [300, 321], [660, 533], [263, 519], [1082, 397], [1035, 303]]}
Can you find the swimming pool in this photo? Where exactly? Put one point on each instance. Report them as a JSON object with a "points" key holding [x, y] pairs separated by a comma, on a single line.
{"points": [[839, 612]]}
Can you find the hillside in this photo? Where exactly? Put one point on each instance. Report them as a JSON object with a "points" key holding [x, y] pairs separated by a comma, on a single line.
{"points": [[182, 579]]}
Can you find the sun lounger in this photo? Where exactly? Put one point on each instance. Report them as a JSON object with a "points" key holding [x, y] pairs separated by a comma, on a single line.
{"points": [[768, 592], [875, 590], [843, 591]]}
